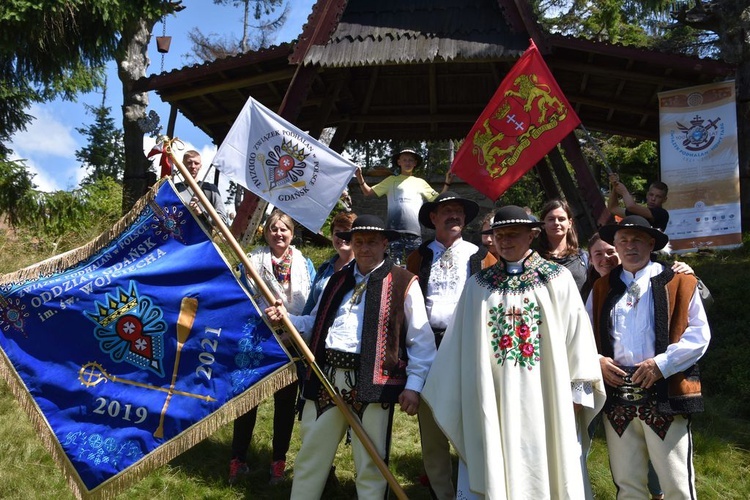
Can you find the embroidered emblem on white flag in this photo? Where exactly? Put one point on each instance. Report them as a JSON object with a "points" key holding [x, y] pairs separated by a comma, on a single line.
{"points": [[283, 165]]}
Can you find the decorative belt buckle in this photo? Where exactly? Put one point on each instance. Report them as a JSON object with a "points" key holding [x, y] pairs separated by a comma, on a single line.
{"points": [[631, 393]]}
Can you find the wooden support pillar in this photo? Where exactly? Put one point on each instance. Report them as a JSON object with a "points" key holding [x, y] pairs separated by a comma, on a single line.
{"points": [[585, 223], [547, 180], [172, 121], [587, 182]]}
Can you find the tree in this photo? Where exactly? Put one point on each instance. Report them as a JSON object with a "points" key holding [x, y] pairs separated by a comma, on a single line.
{"points": [[729, 20], [58, 47], [104, 155], [132, 61], [209, 47]]}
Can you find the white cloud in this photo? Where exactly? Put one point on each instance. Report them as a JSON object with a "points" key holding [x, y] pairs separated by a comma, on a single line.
{"points": [[64, 175], [46, 135], [48, 148]]}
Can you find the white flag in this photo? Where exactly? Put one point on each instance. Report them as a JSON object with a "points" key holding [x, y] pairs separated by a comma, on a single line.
{"points": [[283, 165]]}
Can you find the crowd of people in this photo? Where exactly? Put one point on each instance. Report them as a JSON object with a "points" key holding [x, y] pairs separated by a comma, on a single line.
{"points": [[511, 351]]}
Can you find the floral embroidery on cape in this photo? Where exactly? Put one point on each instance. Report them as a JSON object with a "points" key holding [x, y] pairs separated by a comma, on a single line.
{"points": [[515, 334]]}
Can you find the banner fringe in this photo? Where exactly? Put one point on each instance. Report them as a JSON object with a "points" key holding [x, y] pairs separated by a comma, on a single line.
{"points": [[240, 405], [193, 435], [59, 263]]}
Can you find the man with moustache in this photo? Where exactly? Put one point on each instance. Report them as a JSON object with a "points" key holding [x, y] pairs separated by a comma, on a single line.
{"points": [[650, 329], [443, 265], [370, 333]]}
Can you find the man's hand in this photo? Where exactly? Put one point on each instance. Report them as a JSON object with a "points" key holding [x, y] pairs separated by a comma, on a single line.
{"points": [[682, 268], [621, 189], [195, 205], [612, 373], [647, 373], [409, 401], [276, 312]]}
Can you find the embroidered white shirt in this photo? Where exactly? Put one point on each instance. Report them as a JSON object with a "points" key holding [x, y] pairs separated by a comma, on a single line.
{"points": [[633, 327], [448, 274]]}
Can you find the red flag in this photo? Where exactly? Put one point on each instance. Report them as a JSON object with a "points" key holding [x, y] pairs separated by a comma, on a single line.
{"points": [[165, 161], [525, 119]]}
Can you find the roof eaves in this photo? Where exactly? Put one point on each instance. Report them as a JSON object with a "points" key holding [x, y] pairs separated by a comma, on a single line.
{"points": [[186, 74], [675, 60]]}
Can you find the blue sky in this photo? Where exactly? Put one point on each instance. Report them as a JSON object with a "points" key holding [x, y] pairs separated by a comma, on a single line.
{"points": [[50, 141]]}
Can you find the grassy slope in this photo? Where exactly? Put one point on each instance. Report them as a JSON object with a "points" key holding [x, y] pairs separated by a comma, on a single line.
{"points": [[722, 434]]}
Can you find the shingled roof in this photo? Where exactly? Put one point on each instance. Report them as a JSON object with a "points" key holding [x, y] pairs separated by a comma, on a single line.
{"points": [[425, 69], [412, 32]]}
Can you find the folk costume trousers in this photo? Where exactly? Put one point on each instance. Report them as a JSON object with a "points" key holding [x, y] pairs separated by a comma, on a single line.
{"points": [[671, 457], [436, 455], [321, 436]]}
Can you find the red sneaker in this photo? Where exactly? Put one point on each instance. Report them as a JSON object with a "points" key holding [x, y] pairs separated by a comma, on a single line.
{"points": [[277, 472], [237, 468]]}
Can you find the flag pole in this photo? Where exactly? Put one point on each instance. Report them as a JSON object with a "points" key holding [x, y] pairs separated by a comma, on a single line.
{"points": [[596, 148], [300, 344]]}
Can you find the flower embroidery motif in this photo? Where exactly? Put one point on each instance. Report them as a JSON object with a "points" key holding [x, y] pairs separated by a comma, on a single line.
{"points": [[514, 334]]}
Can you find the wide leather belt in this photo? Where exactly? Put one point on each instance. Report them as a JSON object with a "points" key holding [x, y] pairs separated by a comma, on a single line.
{"points": [[630, 393]]}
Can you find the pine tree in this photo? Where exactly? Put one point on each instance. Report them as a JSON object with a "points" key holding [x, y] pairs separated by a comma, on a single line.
{"points": [[104, 155]]}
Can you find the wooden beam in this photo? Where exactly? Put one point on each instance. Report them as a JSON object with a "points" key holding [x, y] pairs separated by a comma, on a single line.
{"points": [[612, 104], [232, 84], [365, 107], [564, 65]]}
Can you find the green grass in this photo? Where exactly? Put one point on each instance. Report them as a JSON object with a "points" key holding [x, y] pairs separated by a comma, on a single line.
{"points": [[722, 433]]}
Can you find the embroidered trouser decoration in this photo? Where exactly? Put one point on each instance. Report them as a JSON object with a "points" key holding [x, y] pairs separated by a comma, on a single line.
{"points": [[621, 414], [348, 394]]}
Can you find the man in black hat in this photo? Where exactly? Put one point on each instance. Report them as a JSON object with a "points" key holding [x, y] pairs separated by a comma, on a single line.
{"points": [[370, 333], [650, 329], [517, 374], [443, 265], [405, 194]]}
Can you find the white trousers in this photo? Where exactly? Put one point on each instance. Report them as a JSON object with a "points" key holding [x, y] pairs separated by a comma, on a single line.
{"points": [[436, 455], [672, 459], [320, 439]]}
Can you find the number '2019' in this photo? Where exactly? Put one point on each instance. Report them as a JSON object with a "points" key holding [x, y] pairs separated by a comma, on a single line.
{"points": [[114, 409]]}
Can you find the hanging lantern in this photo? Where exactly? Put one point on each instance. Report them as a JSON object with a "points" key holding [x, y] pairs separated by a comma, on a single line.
{"points": [[162, 43]]}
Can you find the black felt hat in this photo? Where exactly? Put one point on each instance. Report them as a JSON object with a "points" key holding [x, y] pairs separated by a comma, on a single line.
{"points": [[634, 222], [369, 223], [471, 209], [512, 215], [394, 157]]}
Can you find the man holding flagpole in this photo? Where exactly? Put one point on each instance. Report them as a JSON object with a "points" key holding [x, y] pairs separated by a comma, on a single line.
{"points": [[405, 194], [370, 332], [193, 162]]}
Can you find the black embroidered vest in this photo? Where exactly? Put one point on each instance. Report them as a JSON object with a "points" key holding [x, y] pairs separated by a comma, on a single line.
{"points": [[381, 375]]}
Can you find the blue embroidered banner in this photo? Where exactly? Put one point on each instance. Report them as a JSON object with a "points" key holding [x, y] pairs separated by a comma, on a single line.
{"points": [[135, 347]]}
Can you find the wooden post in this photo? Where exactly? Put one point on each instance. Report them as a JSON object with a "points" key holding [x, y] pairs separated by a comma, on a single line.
{"points": [[300, 344]]}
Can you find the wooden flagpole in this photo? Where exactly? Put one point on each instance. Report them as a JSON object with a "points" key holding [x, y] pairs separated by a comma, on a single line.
{"points": [[596, 148], [299, 342]]}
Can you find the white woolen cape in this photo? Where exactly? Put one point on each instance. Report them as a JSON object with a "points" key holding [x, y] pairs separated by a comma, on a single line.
{"points": [[513, 422]]}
